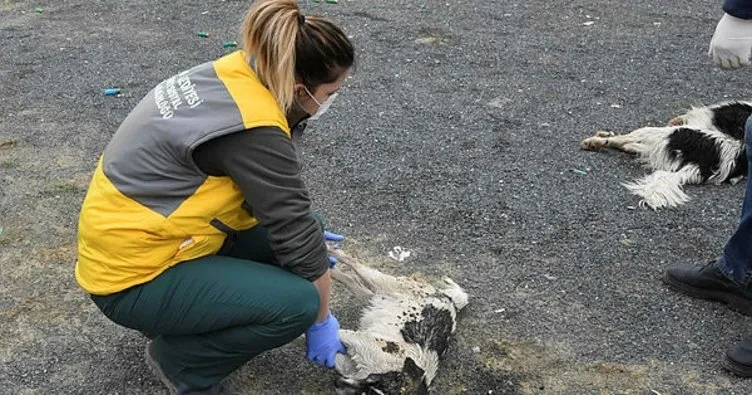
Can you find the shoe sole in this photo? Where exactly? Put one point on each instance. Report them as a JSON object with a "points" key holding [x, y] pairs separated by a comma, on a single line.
{"points": [[740, 305], [158, 371], [736, 368]]}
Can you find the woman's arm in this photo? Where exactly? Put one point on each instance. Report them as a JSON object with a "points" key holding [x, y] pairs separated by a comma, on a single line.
{"points": [[264, 164], [324, 286]]}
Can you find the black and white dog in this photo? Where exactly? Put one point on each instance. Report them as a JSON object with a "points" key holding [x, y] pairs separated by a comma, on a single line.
{"points": [[704, 145], [402, 334]]}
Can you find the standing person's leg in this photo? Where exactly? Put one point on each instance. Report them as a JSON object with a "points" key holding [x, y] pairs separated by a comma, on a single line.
{"points": [[212, 315], [729, 278], [736, 261]]}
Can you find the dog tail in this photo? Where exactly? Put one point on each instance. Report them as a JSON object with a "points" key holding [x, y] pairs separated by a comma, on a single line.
{"points": [[664, 188]]}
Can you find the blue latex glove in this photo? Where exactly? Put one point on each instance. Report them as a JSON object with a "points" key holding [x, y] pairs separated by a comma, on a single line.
{"points": [[333, 237], [329, 236], [322, 342]]}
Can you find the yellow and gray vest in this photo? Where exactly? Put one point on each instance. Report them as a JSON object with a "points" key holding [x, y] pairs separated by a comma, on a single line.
{"points": [[148, 206]]}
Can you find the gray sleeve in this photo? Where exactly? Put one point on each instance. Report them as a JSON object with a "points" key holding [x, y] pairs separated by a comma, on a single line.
{"points": [[264, 164]]}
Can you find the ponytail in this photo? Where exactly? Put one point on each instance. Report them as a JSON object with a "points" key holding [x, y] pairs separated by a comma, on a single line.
{"points": [[269, 34], [288, 47]]}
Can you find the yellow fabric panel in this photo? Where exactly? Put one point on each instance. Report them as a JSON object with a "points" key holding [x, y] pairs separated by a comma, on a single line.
{"points": [[256, 104], [121, 243]]}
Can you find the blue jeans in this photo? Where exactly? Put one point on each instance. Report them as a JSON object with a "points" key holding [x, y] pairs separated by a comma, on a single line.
{"points": [[736, 260]]}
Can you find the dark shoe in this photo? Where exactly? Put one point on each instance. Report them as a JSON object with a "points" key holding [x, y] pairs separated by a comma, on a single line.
{"points": [[708, 282], [739, 359], [175, 387]]}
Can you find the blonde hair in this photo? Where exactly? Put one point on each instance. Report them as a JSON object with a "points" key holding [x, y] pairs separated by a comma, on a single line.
{"points": [[286, 47]]}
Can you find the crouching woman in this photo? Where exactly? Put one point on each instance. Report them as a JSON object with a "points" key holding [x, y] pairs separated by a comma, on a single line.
{"points": [[197, 228]]}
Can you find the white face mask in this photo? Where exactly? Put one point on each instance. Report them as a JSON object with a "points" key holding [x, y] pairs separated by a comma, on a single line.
{"points": [[322, 106]]}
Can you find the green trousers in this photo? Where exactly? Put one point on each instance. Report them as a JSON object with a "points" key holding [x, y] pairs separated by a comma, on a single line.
{"points": [[209, 316]]}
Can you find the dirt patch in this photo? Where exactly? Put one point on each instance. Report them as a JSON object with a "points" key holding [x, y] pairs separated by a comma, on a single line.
{"points": [[548, 368]]}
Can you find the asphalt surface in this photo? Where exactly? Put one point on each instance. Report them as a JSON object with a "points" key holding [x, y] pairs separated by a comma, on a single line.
{"points": [[456, 139]]}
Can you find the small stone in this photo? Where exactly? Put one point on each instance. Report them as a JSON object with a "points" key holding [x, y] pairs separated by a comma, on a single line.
{"points": [[476, 349]]}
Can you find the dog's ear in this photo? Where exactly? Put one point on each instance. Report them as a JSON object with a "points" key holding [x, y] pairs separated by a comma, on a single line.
{"points": [[416, 377], [412, 369]]}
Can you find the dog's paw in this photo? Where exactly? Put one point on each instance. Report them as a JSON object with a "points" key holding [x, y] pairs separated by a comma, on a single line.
{"points": [[597, 142], [604, 133], [592, 144], [736, 180]]}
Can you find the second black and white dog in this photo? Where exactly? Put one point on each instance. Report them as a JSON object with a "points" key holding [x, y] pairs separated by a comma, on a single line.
{"points": [[403, 332], [705, 145]]}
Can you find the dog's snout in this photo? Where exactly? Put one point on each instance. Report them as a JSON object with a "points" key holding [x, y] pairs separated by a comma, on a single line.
{"points": [[348, 386]]}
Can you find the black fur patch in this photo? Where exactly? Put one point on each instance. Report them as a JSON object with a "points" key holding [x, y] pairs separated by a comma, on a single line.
{"points": [[696, 148], [731, 118], [432, 332], [391, 348], [408, 381], [741, 165]]}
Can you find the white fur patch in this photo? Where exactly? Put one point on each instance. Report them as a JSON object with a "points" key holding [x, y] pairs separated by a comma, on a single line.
{"points": [[396, 304]]}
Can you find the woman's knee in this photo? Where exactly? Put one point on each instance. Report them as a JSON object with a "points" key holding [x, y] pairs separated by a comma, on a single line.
{"points": [[306, 303]]}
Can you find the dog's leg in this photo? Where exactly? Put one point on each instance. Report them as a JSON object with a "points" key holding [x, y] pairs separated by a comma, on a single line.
{"points": [[736, 180], [353, 283], [458, 296], [622, 142], [373, 279]]}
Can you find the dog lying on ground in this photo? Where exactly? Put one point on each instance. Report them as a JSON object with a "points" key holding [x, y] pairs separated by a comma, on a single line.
{"points": [[402, 334], [704, 145]]}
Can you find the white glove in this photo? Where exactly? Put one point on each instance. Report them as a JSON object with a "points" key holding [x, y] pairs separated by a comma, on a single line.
{"points": [[732, 42]]}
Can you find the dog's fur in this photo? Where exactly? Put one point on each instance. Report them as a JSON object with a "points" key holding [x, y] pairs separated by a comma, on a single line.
{"points": [[704, 145], [402, 333]]}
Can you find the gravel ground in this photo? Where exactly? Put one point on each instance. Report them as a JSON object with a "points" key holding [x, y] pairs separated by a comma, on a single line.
{"points": [[456, 139]]}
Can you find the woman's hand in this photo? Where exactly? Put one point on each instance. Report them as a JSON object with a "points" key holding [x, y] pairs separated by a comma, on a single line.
{"points": [[322, 342], [334, 238]]}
